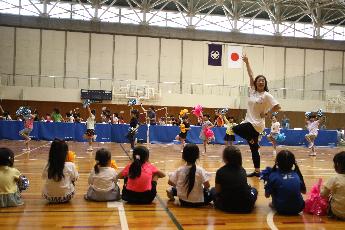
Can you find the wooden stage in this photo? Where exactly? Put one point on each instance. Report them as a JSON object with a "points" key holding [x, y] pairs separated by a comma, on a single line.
{"points": [[80, 214]]}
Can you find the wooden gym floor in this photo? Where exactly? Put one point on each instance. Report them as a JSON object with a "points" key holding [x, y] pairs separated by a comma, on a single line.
{"points": [[161, 214]]}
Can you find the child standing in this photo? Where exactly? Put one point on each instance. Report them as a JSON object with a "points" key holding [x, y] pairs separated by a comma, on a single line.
{"points": [[190, 182], [9, 194], [229, 137], [90, 125], [285, 185], [184, 128], [28, 127], [335, 187], [59, 175], [103, 179], [312, 126], [133, 127], [206, 125], [232, 192], [140, 178], [272, 137]]}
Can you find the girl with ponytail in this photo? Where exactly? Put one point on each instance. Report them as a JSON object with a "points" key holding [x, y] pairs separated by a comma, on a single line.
{"points": [[103, 179], [285, 184], [190, 183], [140, 178]]}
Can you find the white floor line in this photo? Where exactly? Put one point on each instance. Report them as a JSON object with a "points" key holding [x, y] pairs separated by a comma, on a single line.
{"points": [[32, 150], [122, 213], [270, 221]]}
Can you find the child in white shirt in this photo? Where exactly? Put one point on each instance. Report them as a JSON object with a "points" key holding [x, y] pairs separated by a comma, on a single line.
{"points": [[103, 179], [190, 183], [59, 175], [272, 137]]}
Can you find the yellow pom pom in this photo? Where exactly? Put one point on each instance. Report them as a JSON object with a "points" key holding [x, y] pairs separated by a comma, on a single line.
{"points": [[71, 156], [113, 164]]}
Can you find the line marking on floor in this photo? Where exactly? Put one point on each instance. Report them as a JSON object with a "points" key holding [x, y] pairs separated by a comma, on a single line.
{"points": [[26, 152], [122, 213], [270, 221]]}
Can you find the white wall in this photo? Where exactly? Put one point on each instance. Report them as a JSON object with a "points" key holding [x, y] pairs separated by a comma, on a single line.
{"points": [[76, 58]]}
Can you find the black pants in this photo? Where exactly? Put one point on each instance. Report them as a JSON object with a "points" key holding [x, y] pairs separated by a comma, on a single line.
{"points": [[244, 204], [247, 132], [207, 199], [131, 137], [140, 197]]}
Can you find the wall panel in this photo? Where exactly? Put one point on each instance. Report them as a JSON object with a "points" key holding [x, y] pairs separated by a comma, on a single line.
{"points": [[6, 54], [27, 57]]}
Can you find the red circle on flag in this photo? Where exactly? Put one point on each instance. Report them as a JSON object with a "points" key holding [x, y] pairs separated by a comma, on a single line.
{"points": [[234, 56]]}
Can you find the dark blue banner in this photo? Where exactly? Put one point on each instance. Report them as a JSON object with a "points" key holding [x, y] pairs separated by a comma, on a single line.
{"points": [[214, 54]]}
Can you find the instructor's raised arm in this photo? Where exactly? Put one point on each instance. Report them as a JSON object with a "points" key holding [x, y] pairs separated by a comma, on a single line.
{"points": [[249, 70]]}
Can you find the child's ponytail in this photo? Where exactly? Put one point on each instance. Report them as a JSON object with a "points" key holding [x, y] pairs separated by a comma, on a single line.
{"points": [[103, 157], [140, 156], [190, 179], [96, 167], [298, 171], [190, 155]]}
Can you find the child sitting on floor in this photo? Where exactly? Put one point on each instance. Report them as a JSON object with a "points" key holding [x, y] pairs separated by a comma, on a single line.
{"points": [[232, 192], [103, 179], [285, 185], [59, 175], [190, 183], [140, 178], [335, 187], [9, 176]]}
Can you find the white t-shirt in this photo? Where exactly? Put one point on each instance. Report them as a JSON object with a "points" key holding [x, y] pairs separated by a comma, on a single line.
{"points": [[335, 186], [313, 127], [275, 127], [90, 122], [178, 178], [63, 187], [259, 103], [115, 120], [103, 181]]}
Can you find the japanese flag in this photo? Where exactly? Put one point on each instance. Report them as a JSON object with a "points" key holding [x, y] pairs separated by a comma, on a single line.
{"points": [[234, 57]]}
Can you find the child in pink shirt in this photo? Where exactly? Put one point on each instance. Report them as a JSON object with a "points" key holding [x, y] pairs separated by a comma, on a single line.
{"points": [[28, 127], [140, 178]]}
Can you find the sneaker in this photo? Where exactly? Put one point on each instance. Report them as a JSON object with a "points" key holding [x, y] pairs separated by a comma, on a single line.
{"points": [[254, 174], [312, 154], [182, 151], [170, 194], [131, 150], [274, 153], [310, 145], [90, 149], [26, 149]]}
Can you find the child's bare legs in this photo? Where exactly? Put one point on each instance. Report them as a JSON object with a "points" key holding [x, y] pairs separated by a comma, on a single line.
{"points": [[311, 139], [183, 141], [90, 144], [231, 143], [226, 143], [274, 143], [205, 143], [27, 139]]}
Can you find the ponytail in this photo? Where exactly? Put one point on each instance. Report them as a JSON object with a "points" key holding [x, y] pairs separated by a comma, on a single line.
{"points": [[135, 168], [96, 168], [298, 171], [190, 179]]}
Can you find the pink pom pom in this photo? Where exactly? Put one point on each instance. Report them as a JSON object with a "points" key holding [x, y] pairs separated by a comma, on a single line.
{"points": [[197, 111], [209, 134], [316, 204]]}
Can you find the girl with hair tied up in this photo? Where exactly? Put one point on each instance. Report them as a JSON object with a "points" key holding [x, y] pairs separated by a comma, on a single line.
{"points": [[285, 184], [140, 178], [190, 183], [103, 179]]}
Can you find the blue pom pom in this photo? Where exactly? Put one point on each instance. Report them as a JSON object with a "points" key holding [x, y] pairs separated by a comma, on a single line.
{"points": [[23, 183], [224, 111], [132, 102], [265, 174], [307, 114], [87, 103], [23, 111], [280, 137]]}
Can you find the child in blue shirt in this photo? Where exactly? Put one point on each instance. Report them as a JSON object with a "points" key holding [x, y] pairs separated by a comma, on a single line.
{"points": [[285, 185]]}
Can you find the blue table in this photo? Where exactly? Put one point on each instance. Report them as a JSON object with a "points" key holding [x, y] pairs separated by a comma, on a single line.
{"points": [[161, 134]]}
